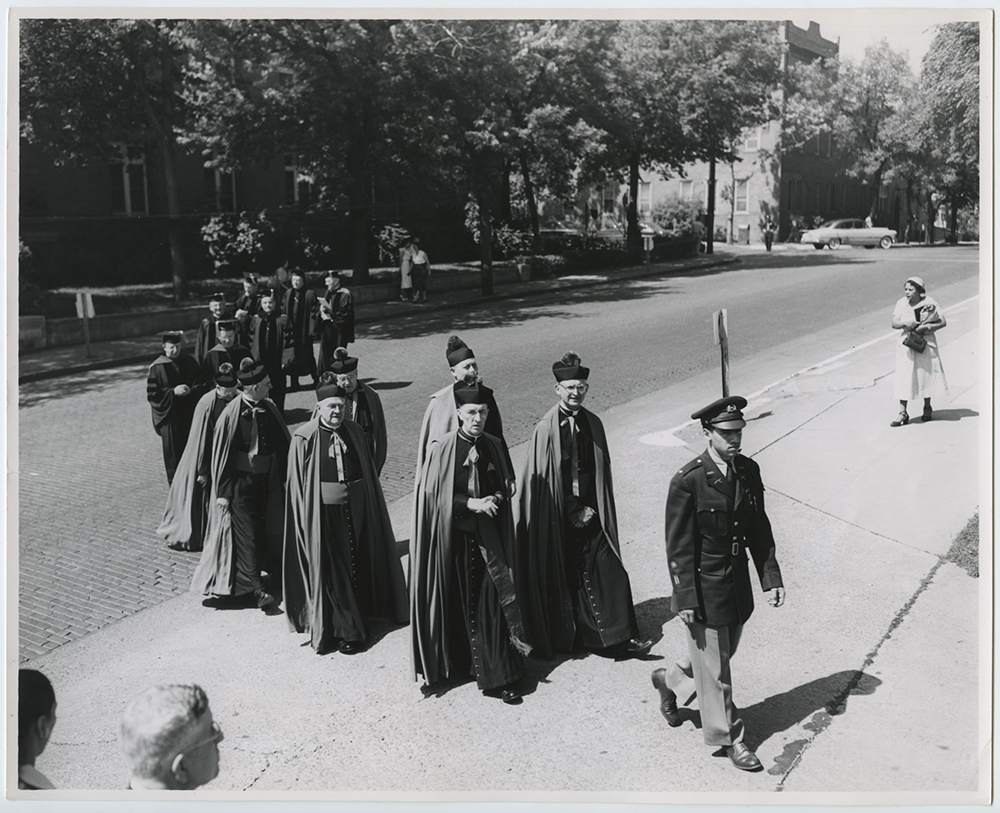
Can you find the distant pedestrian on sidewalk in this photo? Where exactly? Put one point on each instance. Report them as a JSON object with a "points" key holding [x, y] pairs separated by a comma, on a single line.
{"points": [[405, 267], [420, 270], [172, 388], [271, 343], [574, 588], [341, 563], [336, 319], [715, 514], [919, 372], [302, 309], [247, 502], [185, 518], [36, 717], [768, 232], [169, 739], [206, 338], [465, 616]]}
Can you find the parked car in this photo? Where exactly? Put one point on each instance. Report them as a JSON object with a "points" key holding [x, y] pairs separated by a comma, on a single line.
{"points": [[559, 235], [850, 232]]}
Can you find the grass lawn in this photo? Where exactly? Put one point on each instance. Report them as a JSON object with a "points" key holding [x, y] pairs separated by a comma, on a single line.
{"points": [[965, 549]]}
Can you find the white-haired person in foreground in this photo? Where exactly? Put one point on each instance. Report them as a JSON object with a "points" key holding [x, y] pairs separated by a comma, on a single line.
{"points": [[169, 739]]}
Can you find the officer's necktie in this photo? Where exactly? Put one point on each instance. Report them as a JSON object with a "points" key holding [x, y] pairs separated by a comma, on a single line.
{"points": [[470, 464]]}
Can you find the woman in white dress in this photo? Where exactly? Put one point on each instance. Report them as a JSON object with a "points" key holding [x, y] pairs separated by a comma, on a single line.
{"points": [[919, 374], [405, 264]]}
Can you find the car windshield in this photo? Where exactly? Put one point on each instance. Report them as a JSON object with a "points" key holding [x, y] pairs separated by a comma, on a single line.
{"points": [[833, 224]]}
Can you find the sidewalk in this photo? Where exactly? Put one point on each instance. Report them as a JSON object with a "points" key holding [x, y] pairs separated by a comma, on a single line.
{"points": [[864, 682], [55, 362]]}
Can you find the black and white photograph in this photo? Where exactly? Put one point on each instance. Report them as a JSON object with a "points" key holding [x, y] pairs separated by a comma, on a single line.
{"points": [[527, 406]]}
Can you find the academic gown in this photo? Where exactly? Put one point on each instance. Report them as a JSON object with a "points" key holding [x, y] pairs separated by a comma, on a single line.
{"points": [[186, 514], [338, 331], [216, 573], [572, 581], [172, 413], [206, 338], [302, 318], [464, 613], [323, 544], [251, 304]]}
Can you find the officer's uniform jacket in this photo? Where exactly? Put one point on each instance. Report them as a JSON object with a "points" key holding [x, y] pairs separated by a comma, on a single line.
{"points": [[711, 523]]}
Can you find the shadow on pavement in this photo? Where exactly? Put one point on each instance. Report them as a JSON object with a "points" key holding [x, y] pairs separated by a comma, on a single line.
{"points": [[811, 705], [652, 614], [36, 393], [388, 385], [954, 414]]}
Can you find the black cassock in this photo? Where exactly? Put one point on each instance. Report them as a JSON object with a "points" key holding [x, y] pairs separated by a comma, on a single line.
{"points": [[478, 635], [602, 595], [172, 413]]}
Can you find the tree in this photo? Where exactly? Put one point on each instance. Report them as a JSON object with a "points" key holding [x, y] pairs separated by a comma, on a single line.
{"points": [[90, 87], [950, 79], [632, 88], [732, 72]]}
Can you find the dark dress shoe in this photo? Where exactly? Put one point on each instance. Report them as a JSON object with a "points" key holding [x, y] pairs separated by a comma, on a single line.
{"points": [[742, 757], [264, 599], [668, 700], [352, 647], [633, 648], [512, 697]]}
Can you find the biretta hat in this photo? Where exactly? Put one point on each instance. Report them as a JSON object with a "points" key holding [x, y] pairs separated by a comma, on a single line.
{"points": [[342, 362], [569, 368], [251, 372], [726, 413], [226, 324], [225, 377], [471, 393], [263, 292], [327, 387], [457, 351], [172, 337], [217, 297]]}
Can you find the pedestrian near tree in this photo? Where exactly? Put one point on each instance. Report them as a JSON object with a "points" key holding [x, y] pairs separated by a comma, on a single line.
{"points": [[405, 267], [714, 515], [36, 717], [172, 389], [420, 270], [341, 563], [768, 232], [919, 371], [336, 319], [185, 517]]}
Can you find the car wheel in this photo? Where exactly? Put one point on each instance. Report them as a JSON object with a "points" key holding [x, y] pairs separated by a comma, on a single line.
{"points": [[885, 242], [834, 243], [818, 245]]}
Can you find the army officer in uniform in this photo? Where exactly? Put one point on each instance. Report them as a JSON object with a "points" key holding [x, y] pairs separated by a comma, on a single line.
{"points": [[715, 514]]}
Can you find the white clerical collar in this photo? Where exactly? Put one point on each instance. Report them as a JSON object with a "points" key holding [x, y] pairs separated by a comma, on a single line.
{"points": [[723, 466]]}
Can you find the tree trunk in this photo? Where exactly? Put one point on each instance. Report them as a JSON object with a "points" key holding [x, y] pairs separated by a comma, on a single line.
{"points": [[485, 244], [529, 195], [876, 192], [710, 216], [929, 238], [506, 214], [633, 236], [732, 205], [359, 193], [178, 268], [953, 224]]}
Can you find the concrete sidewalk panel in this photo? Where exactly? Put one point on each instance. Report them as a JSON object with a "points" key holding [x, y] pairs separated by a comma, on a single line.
{"points": [[920, 729]]}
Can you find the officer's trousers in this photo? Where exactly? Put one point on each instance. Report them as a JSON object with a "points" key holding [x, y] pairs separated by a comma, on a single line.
{"points": [[704, 673]]}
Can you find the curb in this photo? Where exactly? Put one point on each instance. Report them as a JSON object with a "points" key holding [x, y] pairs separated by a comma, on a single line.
{"points": [[558, 284]]}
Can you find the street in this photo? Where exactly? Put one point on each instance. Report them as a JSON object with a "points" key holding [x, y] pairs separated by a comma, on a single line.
{"points": [[91, 491]]}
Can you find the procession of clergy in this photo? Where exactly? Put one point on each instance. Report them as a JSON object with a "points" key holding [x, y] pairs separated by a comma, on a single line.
{"points": [[500, 566]]}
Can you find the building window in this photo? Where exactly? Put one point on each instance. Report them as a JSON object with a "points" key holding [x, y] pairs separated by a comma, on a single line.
{"points": [[298, 185], [742, 199], [751, 141], [220, 189], [129, 190], [645, 198], [608, 197]]}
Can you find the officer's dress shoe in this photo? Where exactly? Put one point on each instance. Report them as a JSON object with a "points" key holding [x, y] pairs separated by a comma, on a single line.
{"points": [[742, 757], [668, 700]]}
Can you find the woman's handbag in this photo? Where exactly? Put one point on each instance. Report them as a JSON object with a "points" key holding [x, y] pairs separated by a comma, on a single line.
{"points": [[914, 341]]}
